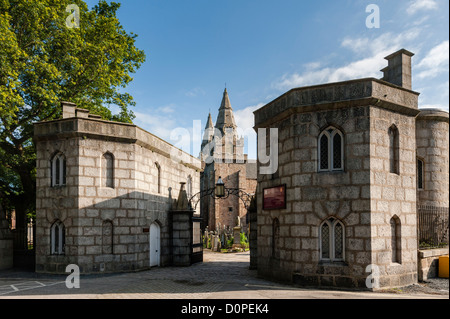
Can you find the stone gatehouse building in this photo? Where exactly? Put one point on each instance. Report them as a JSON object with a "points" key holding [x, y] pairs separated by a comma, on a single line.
{"points": [[356, 158], [105, 195]]}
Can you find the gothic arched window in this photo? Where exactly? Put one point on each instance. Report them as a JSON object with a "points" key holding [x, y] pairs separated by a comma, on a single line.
{"points": [[331, 150], [332, 240], [396, 246], [108, 170], [420, 174], [158, 167], [393, 150], [57, 238], [58, 170]]}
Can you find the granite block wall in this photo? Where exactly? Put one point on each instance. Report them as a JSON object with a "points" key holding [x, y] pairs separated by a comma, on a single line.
{"points": [[106, 225]]}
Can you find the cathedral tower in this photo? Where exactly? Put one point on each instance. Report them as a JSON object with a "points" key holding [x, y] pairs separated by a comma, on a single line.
{"points": [[223, 155]]}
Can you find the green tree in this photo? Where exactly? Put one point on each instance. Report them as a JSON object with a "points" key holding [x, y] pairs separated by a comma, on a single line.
{"points": [[44, 61]]}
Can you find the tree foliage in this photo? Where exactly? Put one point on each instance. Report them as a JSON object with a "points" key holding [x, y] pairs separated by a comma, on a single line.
{"points": [[43, 62]]}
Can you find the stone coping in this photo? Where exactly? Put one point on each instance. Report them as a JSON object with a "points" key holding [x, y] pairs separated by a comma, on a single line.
{"points": [[426, 253], [367, 91], [111, 131], [433, 114]]}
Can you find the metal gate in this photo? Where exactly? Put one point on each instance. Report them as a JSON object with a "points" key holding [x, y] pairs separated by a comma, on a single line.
{"points": [[197, 242], [432, 226]]}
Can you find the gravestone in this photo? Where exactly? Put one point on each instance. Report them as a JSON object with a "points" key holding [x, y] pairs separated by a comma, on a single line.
{"points": [[237, 237]]}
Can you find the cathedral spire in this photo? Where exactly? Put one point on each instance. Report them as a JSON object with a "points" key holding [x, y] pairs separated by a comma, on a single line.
{"points": [[225, 117], [225, 101], [209, 131], [209, 122]]}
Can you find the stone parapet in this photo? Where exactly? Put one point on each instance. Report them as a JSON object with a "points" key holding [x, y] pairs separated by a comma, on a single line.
{"points": [[368, 91], [92, 128]]}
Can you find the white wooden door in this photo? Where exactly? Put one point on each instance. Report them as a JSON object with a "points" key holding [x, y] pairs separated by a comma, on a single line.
{"points": [[155, 244]]}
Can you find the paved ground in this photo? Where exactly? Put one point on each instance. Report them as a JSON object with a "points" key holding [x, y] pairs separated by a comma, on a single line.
{"points": [[220, 276]]}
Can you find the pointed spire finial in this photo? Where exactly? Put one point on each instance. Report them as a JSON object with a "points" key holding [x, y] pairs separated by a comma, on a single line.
{"points": [[209, 123], [225, 117]]}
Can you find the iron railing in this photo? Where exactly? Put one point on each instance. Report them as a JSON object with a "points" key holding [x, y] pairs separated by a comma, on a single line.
{"points": [[432, 226]]}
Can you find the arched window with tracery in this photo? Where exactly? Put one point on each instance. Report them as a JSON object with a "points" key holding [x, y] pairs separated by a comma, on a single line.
{"points": [[331, 150], [332, 240]]}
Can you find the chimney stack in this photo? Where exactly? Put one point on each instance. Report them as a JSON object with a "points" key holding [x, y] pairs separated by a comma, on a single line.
{"points": [[398, 71], [68, 109]]}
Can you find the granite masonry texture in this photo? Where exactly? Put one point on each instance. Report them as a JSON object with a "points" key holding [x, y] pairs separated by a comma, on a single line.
{"points": [[365, 196], [106, 224], [120, 180]]}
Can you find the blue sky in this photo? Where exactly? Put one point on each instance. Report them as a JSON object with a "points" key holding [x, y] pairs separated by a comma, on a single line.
{"points": [[263, 48]]}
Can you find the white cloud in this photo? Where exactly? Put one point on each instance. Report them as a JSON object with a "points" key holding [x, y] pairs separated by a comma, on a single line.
{"points": [[434, 106], [195, 92], [434, 95], [245, 121], [313, 65], [166, 109], [244, 118], [417, 5], [371, 53], [435, 62], [159, 125], [384, 43], [368, 67]]}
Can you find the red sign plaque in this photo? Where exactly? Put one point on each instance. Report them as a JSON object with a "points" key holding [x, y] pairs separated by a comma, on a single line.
{"points": [[274, 197]]}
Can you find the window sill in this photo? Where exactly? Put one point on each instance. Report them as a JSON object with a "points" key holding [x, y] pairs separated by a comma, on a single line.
{"points": [[333, 263], [395, 264], [393, 173], [331, 172]]}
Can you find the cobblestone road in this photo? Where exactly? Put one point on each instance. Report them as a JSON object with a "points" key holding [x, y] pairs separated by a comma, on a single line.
{"points": [[220, 276]]}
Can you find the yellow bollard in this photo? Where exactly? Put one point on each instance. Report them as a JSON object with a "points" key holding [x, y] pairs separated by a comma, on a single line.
{"points": [[443, 266]]}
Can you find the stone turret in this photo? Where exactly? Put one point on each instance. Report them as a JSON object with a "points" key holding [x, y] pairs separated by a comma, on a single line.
{"points": [[432, 134]]}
